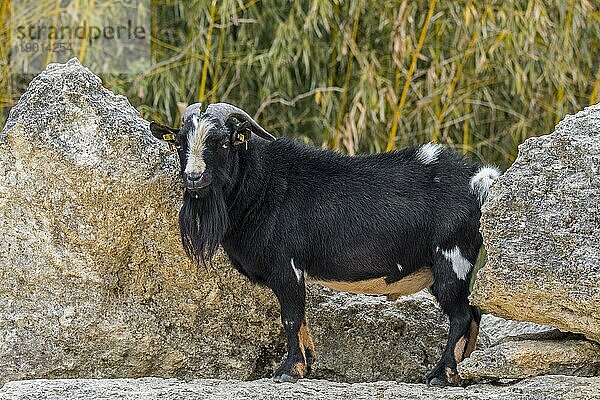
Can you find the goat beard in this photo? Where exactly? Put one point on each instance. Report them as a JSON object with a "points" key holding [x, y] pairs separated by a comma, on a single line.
{"points": [[203, 223]]}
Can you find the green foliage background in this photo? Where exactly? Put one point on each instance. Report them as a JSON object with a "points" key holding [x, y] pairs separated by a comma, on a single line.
{"points": [[354, 75]]}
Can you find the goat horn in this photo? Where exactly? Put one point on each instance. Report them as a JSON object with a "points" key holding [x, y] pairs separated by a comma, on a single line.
{"points": [[224, 111], [192, 109]]}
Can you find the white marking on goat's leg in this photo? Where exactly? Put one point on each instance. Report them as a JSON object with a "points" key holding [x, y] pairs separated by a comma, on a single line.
{"points": [[196, 142], [288, 323], [297, 271], [429, 153], [460, 264]]}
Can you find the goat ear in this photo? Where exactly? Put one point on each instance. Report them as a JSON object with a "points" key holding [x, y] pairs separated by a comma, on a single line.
{"points": [[239, 132], [163, 132]]}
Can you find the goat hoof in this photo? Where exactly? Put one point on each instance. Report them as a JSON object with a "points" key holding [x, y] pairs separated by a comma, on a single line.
{"points": [[290, 371], [310, 360], [285, 378], [443, 377], [435, 381]]}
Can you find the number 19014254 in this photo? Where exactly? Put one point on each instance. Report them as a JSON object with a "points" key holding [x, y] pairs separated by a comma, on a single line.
{"points": [[35, 47]]}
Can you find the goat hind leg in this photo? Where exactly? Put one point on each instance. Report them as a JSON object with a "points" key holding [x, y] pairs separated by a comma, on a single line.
{"points": [[451, 290], [307, 346]]}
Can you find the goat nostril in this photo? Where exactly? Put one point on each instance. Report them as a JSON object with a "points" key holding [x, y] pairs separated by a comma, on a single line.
{"points": [[194, 176]]}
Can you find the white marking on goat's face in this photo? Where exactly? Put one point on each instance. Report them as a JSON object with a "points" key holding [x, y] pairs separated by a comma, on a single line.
{"points": [[429, 153], [196, 142], [297, 271], [460, 264]]}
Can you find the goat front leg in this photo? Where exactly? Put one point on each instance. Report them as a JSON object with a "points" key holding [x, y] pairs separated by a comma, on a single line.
{"points": [[292, 298]]}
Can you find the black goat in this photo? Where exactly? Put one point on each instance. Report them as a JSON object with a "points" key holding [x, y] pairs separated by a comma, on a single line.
{"points": [[386, 224]]}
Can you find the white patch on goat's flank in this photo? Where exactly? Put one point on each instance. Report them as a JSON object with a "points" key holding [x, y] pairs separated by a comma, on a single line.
{"points": [[429, 153], [482, 181], [196, 139], [297, 271], [460, 265], [399, 267]]}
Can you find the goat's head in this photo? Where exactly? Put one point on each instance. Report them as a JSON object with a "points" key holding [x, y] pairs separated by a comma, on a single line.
{"points": [[206, 142]]}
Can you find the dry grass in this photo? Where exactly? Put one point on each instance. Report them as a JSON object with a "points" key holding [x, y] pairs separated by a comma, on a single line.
{"points": [[477, 76]]}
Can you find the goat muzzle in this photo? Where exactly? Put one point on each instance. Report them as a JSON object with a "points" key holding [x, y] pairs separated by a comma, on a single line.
{"points": [[197, 183]]}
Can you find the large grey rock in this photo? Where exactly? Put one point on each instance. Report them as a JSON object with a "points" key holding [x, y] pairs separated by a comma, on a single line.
{"points": [[93, 281], [517, 359], [542, 233], [553, 387]]}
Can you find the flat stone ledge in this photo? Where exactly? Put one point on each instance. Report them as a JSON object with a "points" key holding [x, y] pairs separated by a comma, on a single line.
{"points": [[544, 387]]}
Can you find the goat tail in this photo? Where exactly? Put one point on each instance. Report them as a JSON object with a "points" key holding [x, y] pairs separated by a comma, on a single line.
{"points": [[482, 181]]}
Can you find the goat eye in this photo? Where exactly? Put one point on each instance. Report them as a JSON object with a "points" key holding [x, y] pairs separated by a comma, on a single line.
{"points": [[225, 145]]}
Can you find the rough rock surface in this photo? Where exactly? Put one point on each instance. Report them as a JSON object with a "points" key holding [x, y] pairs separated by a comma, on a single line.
{"points": [[517, 359], [366, 339], [93, 281], [496, 329], [553, 387], [541, 229]]}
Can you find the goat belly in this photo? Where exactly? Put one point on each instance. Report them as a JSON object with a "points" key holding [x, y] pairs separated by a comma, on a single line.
{"points": [[410, 284]]}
